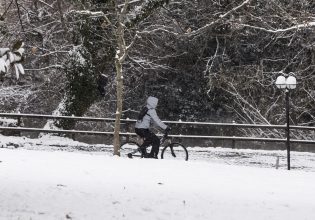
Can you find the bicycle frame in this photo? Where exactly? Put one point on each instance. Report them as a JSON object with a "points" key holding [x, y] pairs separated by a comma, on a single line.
{"points": [[162, 140], [165, 143]]}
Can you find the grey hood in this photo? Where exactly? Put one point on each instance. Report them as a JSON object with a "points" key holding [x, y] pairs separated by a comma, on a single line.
{"points": [[152, 102]]}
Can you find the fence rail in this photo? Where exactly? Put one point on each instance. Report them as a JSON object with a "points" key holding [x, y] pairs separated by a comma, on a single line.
{"points": [[19, 116]]}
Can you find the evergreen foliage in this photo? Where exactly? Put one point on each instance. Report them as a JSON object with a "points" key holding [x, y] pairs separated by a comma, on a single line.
{"points": [[85, 63], [81, 86]]}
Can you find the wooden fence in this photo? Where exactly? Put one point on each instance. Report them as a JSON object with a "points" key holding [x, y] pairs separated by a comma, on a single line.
{"points": [[233, 138]]}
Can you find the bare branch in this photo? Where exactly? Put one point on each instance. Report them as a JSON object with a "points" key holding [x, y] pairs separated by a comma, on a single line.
{"points": [[43, 2], [46, 68], [295, 27], [204, 28]]}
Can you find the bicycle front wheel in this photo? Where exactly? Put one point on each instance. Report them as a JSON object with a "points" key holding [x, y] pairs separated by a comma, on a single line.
{"points": [[174, 151], [129, 149]]}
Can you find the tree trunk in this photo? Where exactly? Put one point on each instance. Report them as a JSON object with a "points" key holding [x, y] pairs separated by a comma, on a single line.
{"points": [[119, 92], [119, 60]]}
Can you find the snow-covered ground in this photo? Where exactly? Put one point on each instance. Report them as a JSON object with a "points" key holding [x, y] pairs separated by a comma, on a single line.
{"points": [[247, 157], [41, 181]]}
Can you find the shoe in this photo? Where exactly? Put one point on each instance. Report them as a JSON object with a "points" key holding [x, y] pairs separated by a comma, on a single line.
{"points": [[142, 151], [147, 156], [151, 156]]}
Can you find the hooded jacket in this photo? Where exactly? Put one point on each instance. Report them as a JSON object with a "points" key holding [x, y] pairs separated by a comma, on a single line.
{"points": [[151, 116]]}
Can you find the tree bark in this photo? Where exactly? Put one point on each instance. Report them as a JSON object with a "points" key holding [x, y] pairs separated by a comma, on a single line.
{"points": [[119, 93], [119, 60]]}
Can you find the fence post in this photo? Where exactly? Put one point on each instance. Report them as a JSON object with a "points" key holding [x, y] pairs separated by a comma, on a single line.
{"points": [[277, 162], [128, 130], [19, 123], [233, 134]]}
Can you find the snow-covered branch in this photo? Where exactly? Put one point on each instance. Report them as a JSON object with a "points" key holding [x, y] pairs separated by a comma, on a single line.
{"points": [[157, 28], [140, 12], [46, 68], [12, 58], [92, 14], [295, 27], [150, 65], [15, 95], [131, 2], [204, 28], [44, 3], [209, 68]]}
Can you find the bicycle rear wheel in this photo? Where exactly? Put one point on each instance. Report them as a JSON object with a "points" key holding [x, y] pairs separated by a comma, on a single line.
{"points": [[130, 149], [174, 151]]}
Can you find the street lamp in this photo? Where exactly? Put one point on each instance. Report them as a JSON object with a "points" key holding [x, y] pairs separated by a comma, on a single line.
{"points": [[287, 83]]}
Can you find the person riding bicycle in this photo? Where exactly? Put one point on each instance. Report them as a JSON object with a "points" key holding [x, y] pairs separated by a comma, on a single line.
{"points": [[142, 128]]}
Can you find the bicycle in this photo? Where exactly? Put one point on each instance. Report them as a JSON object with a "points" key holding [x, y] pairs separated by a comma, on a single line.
{"points": [[171, 150]]}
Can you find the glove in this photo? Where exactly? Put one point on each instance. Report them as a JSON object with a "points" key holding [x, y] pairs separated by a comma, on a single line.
{"points": [[167, 130]]}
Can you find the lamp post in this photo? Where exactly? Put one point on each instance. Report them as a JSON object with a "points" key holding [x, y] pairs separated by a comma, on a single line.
{"points": [[287, 83]]}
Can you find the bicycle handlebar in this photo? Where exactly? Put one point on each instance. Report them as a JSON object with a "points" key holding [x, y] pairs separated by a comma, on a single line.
{"points": [[164, 137]]}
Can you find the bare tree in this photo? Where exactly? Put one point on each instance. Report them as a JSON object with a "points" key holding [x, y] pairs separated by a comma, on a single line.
{"points": [[122, 25], [120, 57]]}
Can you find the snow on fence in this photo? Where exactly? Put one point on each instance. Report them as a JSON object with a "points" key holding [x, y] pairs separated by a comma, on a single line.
{"points": [[233, 138]]}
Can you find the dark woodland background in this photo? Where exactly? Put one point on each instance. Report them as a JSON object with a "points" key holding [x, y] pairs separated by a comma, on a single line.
{"points": [[205, 60]]}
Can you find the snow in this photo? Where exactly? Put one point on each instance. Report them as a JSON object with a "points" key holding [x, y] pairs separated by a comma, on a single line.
{"points": [[76, 55], [3, 66], [57, 112], [12, 58], [39, 181], [3, 51], [93, 14], [7, 121]]}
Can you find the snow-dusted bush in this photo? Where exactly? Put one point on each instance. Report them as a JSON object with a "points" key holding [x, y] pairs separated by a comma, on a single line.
{"points": [[12, 58]]}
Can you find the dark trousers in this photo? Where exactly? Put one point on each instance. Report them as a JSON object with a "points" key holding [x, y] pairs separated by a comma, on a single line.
{"points": [[149, 138]]}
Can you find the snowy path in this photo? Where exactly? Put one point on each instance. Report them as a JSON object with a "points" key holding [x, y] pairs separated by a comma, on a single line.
{"points": [[247, 157], [75, 185]]}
